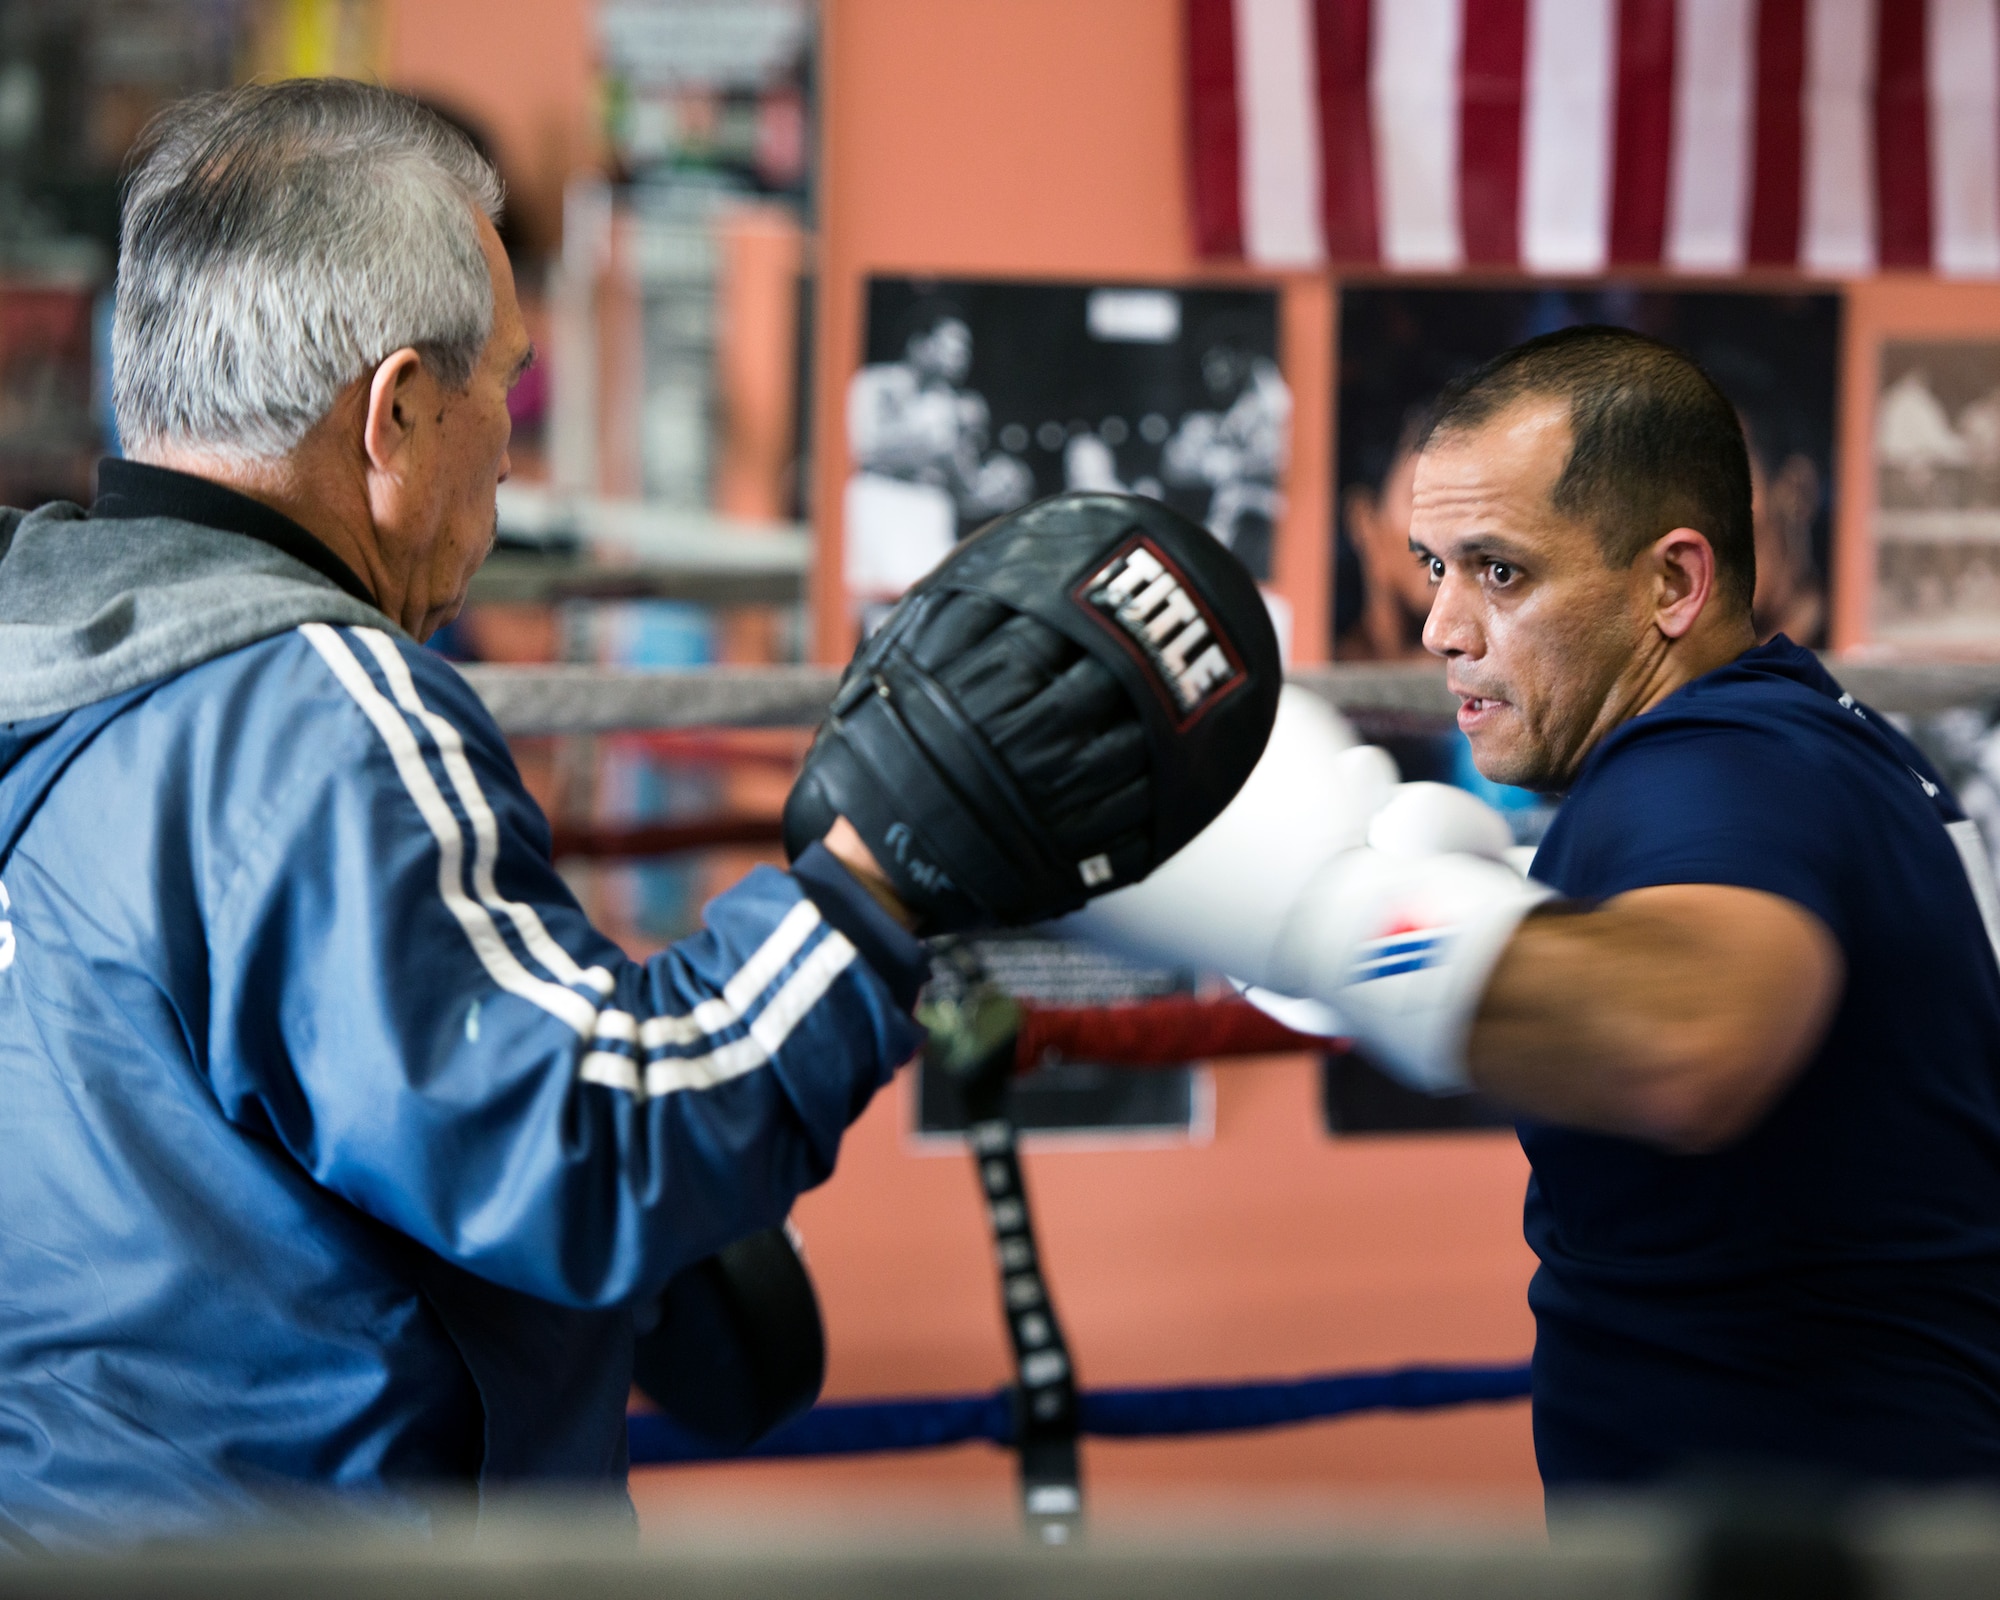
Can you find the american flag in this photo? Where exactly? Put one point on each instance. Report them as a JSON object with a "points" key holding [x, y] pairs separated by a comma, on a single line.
{"points": [[1834, 137]]}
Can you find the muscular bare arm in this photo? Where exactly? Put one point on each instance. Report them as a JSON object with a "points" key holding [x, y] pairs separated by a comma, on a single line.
{"points": [[1676, 1014]]}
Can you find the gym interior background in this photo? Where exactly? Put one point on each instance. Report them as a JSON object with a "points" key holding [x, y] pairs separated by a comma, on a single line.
{"points": [[817, 288]]}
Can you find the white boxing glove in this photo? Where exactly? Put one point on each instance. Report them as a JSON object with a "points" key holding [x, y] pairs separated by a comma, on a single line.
{"points": [[1401, 946], [1434, 819], [1343, 902], [1418, 820], [1219, 902]]}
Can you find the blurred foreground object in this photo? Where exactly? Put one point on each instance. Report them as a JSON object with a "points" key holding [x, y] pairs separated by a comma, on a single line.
{"points": [[1736, 1541], [735, 1346]]}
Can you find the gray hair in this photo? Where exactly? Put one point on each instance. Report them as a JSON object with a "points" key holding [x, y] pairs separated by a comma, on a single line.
{"points": [[278, 241]]}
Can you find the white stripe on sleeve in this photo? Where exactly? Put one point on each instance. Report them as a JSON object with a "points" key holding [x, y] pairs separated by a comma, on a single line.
{"points": [[1709, 160], [485, 829], [740, 992], [713, 1016], [1837, 224], [1568, 87], [499, 962], [1277, 91], [611, 1071], [619, 1027], [795, 998], [1963, 73], [1413, 104]]}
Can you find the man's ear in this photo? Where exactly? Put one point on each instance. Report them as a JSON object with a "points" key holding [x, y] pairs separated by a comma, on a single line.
{"points": [[1683, 563], [394, 404]]}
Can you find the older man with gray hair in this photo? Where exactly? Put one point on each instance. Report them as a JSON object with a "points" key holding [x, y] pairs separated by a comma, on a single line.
{"points": [[340, 1146]]}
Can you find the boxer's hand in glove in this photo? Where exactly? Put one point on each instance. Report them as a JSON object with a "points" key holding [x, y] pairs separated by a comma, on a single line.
{"points": [[1400, 941], [1325, 880], [1067, 700]]}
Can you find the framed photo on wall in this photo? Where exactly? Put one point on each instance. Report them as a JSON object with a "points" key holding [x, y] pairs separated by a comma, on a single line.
{"points": [[1937, 494], [1917, 545], [975, 398], [1917, 560]]}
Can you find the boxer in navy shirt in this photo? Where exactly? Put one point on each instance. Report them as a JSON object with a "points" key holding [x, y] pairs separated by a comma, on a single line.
{"points": [[1747, 1009], [1825, 1287], [1756, 1046]]}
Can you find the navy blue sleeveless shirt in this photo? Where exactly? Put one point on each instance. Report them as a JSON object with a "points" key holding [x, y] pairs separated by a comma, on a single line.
{"points": [[1825, 1291]]}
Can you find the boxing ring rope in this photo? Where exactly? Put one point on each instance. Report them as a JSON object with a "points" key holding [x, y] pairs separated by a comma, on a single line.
{"points": [[1165, 1032], [1141, 1034], [873, 1427], [640, 840], [586, 699]]}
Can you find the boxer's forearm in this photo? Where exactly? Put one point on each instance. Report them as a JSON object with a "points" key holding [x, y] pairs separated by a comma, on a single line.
{"points": [[1675, 1014]]}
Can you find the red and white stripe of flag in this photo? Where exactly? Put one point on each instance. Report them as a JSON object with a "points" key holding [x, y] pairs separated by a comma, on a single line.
{"points": [[1572, 136]]}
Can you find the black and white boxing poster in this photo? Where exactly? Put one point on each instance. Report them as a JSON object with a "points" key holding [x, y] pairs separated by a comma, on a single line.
{"points": [[1937, 495], [976, 398]]}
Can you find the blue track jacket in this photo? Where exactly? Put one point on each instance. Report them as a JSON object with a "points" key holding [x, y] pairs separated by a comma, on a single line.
{"points": [[337, 1143]]}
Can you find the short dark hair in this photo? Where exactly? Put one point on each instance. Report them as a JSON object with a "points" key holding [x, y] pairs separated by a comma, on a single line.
{"points": [[1654, 445]]}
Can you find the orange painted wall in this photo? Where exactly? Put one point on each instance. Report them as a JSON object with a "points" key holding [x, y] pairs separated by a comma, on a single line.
{"points": [[1029, 138], [525, 70]]}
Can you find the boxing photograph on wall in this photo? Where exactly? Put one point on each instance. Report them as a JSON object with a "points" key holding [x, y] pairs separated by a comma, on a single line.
{"points": [[975, 398], [1776, 356], [1937, 495]]}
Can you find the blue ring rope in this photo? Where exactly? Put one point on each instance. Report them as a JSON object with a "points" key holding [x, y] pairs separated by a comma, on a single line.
{"points": [[861, 1427]]}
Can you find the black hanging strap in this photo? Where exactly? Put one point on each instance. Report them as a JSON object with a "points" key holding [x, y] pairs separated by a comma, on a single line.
{"points": [[973, 1039]]}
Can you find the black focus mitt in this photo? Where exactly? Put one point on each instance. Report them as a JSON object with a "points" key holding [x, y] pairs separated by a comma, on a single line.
{"points": [[734, 1346], [1068, 698]]}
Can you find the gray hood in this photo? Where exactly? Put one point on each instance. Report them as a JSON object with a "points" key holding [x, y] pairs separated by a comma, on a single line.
{"points": [[91, 608]]}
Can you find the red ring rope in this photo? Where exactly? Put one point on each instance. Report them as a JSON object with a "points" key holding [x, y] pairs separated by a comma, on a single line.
{"points": [[1154, 1033]]}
